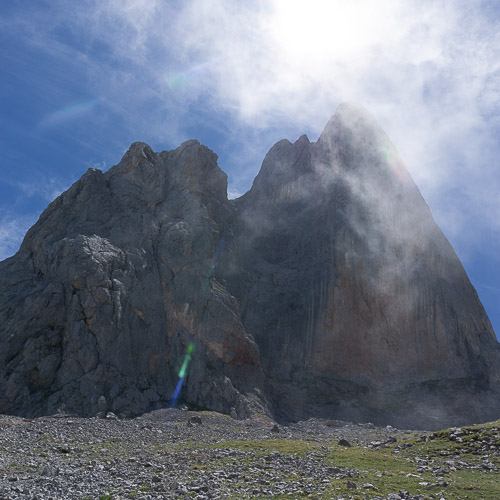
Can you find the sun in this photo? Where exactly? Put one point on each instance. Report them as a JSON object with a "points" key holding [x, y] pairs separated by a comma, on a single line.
{"points": [[323, 32]]}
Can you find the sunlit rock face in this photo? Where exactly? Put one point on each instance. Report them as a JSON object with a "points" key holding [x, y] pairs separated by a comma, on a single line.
{"points": [[327, 290]]}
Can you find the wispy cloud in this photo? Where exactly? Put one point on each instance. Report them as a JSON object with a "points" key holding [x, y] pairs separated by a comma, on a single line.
{"points": [[233, 193], [12, 230], [257, 71], [42, 187]]}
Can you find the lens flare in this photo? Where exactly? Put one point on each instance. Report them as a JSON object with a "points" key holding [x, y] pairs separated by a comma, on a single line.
{"points": [[182, 374], [177, 80], [393, 160], [69, 112], [218, 250]]}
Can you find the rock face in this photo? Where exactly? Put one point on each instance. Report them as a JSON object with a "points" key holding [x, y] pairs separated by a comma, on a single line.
{"points": [[327, 290], [111, 285]]}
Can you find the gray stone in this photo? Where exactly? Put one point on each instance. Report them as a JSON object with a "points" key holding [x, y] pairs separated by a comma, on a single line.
{"points": [[194, 421], [50, 471], [344, 442]]}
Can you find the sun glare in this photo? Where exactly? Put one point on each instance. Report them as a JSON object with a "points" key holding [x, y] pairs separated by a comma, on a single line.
{"points": [[323, 32]]}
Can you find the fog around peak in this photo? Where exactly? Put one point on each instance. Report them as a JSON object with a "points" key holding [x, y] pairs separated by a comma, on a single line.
{"points": [[84, 81]]}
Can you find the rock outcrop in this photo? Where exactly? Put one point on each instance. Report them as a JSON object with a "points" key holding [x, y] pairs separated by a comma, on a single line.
{"points": [[112, 284], [327, 290]]}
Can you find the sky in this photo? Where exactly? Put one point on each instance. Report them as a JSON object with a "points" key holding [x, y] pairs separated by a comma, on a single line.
{"points": [[83, 80]]}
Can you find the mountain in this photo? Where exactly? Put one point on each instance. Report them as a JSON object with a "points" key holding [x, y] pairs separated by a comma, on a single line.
{"points": [[327, 290]]}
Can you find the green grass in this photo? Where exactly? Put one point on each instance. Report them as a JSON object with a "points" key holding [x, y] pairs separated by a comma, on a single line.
{"points": [[462, 483], [264, 447], [392, 468]]}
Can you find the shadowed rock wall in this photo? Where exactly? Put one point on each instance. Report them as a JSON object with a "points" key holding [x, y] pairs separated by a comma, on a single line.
{"points": [[111, 285]]}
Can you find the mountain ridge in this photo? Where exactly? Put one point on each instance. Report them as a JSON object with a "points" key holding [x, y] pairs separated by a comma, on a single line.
{"points": [[325, 290]]}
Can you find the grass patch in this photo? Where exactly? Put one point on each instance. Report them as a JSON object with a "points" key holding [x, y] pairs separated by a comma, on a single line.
{"points": [[264, 447], [430, 466], [438, 464]]}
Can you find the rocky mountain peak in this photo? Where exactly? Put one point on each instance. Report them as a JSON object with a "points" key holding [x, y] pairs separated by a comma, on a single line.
{"points": [[283, 172], [138, 150], [195, 166], [353, 139], [350, 119]]}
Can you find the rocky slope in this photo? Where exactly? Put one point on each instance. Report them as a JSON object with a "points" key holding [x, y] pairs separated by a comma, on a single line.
{"points": [[327, 290], [174, 454]]}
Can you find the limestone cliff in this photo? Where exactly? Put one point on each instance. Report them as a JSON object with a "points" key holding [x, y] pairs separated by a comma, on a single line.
{"points": [[359, 305], [326, 290], [112, 284]]}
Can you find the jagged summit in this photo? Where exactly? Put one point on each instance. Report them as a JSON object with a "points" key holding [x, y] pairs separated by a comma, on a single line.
{"points": [[353, 118], [326, 290]]}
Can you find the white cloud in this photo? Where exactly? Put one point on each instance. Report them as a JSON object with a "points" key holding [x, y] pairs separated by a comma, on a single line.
{"points": [[48, 189], [12, 230], [427, 70], [233, 193], [39, 186], [257, 71]]}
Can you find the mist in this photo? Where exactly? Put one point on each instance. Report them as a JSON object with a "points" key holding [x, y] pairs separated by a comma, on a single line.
{"points": [[241, 77]]}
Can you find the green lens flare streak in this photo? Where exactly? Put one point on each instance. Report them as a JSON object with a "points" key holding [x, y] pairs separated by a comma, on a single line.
{"points": [[187, 359], [182, 374]]}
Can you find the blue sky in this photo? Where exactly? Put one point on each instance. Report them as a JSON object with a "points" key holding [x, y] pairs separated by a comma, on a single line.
{"points": [[82, 80]]}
